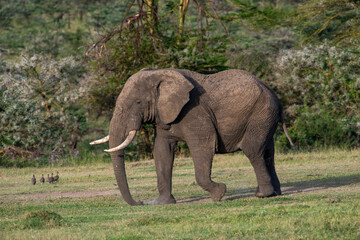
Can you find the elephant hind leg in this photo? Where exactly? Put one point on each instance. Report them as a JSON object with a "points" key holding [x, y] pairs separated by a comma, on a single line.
{"points": [[269, 161], [265, 185], [259, 148]]}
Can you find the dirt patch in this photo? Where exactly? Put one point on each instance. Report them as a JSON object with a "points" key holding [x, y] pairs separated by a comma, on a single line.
{"points": [[54, 195]]}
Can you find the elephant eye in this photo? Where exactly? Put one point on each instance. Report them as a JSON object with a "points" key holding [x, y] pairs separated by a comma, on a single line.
{"points": [[138, 101]]}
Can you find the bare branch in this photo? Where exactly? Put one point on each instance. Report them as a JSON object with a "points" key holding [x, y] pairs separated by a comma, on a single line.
{"points": [[222, 24], [16, 151]]}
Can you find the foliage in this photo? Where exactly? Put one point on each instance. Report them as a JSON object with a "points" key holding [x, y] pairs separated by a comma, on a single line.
{"points": [[39, 108], [139, 45], [258, 14], [257, 54], [321, 91], [317, 128], [337, 20], [316, 79], [60, 28]]}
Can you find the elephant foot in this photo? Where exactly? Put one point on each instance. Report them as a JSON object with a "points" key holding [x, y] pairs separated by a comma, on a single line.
{"points": [[163, 200], [218, 192], [266, 191], [277, 191]]}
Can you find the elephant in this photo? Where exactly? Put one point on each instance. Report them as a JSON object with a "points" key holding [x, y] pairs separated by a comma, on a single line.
{"points": [[217, 113]]}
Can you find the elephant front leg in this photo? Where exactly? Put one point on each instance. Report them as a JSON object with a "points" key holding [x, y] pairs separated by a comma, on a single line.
{"points": [[164, 150], [203, 163]]}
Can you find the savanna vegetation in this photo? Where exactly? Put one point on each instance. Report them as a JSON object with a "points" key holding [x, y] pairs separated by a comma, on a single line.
{"points": [[63, 63]]}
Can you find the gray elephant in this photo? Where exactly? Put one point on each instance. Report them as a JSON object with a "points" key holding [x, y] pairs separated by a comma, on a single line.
{"points": [[219, 113]]}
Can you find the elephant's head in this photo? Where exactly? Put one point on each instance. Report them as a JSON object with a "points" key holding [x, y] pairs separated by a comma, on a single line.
{"points": [[149, 96]]}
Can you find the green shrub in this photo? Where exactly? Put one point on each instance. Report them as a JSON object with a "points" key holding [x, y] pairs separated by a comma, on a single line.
{"points": [[41, 219], [316, 129]]}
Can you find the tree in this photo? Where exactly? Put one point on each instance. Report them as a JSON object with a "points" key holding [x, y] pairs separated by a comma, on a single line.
{"points": [[149, 38], [183, 7]]}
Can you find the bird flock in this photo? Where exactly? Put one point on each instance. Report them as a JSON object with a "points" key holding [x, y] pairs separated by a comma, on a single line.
{"points": [[49, 179]]}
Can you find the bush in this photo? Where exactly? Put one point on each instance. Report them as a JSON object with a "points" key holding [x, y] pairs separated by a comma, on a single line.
{"points": [[39, 106], [317, 129], [320, 86], [41, 219]]}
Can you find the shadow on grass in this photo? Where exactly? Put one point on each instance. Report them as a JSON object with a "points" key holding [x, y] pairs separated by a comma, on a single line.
{"points": [[288, 188], [316, 184]]}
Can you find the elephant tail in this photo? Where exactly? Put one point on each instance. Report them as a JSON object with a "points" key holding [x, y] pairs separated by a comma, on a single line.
{"points": [[285, 129]]}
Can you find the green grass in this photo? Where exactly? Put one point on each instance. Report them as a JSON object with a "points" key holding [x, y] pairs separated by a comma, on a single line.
{"points": [[321, 196]]}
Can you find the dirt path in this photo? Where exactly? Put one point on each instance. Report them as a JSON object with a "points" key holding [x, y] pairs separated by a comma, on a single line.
{"points": [[54, 195], [72, 194]]}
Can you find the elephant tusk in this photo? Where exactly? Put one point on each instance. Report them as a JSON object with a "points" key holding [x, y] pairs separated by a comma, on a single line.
{"points": [[127, 141], [103, 140]]}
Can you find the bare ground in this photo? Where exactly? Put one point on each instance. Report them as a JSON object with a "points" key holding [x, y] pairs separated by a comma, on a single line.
{"points": [[54, 195]]}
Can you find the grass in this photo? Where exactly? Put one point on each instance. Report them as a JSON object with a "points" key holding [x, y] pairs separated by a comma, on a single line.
{"points": [[321, 196]]}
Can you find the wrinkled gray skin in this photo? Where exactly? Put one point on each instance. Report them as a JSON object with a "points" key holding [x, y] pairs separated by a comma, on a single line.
{"points": [[219, 113]]}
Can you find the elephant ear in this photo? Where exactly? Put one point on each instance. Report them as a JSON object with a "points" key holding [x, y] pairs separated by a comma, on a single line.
{"points": [[174, 92]]}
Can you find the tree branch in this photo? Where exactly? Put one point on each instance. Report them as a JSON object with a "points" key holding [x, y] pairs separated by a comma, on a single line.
{"points": [[222, 24], [105, 38]]}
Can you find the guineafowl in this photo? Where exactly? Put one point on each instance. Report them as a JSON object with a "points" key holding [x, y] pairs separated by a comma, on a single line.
{"points": [[52, 178], [33, 180], [42, 179], [56, 177], [48, 179]]}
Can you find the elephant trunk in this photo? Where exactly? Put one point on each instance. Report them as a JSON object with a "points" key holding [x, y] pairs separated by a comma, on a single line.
{"points": [[117, 134], [117, 159]]}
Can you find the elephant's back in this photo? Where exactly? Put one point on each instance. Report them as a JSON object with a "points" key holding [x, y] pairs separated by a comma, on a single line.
{"points": [[229, 89], [229, 80], [233, 89]]}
